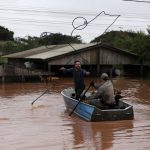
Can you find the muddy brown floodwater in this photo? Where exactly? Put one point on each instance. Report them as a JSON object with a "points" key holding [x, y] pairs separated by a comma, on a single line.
{"points": [[46, 125]]}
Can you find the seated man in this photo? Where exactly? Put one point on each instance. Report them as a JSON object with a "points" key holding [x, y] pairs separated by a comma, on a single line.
{"points": [[104, 95]]}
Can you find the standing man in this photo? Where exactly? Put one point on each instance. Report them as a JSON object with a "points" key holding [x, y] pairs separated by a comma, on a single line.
{"points": [[78, 76]]}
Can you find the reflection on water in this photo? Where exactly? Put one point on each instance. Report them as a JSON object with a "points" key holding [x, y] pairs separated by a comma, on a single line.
{"points": [[98, 135], [45, 125]]}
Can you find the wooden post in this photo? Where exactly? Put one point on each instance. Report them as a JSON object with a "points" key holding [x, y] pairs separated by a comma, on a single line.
{"points": [[21, 73], [3, 74], [22, 78], [49, 70], [98, 61], [141, 70], [98, 69]]}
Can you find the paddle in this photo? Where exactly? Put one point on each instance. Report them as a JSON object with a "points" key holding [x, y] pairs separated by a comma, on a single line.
{"points": [[40, 96], [80, 100]]}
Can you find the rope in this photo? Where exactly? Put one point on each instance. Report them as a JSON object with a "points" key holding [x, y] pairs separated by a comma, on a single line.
{"points": [[84, 25]]}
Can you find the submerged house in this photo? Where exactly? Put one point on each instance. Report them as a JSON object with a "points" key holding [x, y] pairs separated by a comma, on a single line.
{"points": [[46, 60]]}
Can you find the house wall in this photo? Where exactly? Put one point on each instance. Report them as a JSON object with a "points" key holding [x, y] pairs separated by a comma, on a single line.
{"points": [[112, 57], [95, 56]]}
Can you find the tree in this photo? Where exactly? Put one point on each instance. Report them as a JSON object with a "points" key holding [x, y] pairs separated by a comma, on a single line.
{"points": [[58, 38], [26, 43], [148, 30], [5, 34], [10, 45]]}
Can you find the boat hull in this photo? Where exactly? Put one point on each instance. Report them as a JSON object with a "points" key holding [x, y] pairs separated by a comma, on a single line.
{"points": [[88, 112]]}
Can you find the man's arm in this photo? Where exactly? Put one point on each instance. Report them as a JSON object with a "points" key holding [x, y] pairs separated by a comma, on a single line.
{"points": [[66, 70], [86, 72], [95, 85], [97, 94]]}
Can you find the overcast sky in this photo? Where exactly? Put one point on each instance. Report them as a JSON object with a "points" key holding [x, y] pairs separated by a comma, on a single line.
{"points": [[32, 17]]}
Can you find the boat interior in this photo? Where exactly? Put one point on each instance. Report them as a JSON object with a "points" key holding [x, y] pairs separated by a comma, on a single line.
{"points": [[71, 93]]}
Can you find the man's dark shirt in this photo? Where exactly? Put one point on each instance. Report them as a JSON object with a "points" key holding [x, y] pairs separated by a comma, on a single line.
{"points": [[78, 76]]}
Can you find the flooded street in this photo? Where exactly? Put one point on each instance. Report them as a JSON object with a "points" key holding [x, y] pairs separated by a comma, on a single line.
{"points": [[46, 125]]}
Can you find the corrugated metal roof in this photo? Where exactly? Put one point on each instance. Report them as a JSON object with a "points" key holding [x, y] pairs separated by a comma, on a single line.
{"points": [[45, 52]]}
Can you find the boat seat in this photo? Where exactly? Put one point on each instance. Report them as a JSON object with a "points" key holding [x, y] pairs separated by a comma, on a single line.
{"points": [[114, 107], [109, 107]]}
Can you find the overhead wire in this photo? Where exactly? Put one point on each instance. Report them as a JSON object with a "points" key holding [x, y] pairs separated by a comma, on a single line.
{"points": [[66, 26], [125, 17], [35, 21], [67, 13], [138, 1], [63, 14]]}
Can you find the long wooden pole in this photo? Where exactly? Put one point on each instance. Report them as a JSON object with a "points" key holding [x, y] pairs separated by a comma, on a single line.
{"points": [[40, 96]]}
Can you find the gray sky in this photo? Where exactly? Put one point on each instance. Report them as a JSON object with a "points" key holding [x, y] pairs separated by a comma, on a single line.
{"points": [[32, 17]]}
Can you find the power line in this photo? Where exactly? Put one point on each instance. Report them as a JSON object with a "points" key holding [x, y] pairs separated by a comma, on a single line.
{"points": [[70, 13], [138, 1], [64, 14], [60, 23]]}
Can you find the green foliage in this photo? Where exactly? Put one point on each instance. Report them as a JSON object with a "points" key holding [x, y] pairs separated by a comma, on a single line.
{"points": [[3, 60], [9, 45], [58, 38], [29, 42], [148, 30], [5, 34], [136, 42]]}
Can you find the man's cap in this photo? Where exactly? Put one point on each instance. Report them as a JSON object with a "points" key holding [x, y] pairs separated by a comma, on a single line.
{"points": [[104, 76]]}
